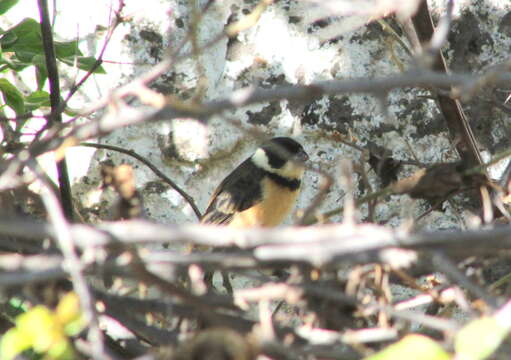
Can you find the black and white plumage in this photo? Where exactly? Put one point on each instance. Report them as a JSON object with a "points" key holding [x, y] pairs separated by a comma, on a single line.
{"points": [[263, 189]]}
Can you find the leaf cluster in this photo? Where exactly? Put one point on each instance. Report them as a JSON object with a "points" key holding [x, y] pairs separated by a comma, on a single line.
{"points": [[21, 47]]}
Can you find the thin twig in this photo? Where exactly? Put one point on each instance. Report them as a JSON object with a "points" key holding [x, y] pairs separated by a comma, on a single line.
{"points": [[325, 185], [239, 98], [367, 198], [149, 278], [445, 265], [347, 184], [442, 29], [154, 169], [113, 25], [73, 264]]}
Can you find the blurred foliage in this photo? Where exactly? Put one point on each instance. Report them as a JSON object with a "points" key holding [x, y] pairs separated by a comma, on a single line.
{"points": [[45, 331], [417, 347], [6, 5], [21, 47], [480, 338]]}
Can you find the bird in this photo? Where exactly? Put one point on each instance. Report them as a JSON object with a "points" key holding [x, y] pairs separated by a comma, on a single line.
{"points": [[262, 190]]}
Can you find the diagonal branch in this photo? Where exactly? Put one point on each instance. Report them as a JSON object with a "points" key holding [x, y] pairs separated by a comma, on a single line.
{"points": [[452, 110], [154, 169], [66, 244]]}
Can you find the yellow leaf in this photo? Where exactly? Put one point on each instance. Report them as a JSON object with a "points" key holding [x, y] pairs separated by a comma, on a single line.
{"points": [[62, 350], [41, 327], [13, 344], [68, 308], [416, 347], [479, 339], [69, 314]]}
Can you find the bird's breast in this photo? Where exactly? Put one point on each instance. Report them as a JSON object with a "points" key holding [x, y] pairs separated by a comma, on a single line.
{"points": [[277, 203]]}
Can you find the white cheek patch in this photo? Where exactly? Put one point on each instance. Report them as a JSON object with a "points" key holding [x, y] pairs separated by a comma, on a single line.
{"points": [[290, 170], [261, 160]]}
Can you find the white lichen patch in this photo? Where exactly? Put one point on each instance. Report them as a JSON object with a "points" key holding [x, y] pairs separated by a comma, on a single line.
{"points": [[190, 137]]}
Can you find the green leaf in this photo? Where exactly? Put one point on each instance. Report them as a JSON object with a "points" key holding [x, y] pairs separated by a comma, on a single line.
{"points": [[67, 49], [8, 38], [13, 63], [40, 70], [5, 5], [25, 36], [15, 307], [72, 112], [479, 339], [37, 100], [41, 76], [83, 63], [27, 57], [25, 41], [12, 97], [18, 303], [416, 347], [25, 27]]}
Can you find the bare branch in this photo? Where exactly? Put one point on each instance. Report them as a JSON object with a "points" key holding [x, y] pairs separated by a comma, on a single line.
{"points": [[154, 169], [74, 266]]}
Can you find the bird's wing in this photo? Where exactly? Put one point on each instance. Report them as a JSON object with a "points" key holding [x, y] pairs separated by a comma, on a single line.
{"points": [[239, 191]]}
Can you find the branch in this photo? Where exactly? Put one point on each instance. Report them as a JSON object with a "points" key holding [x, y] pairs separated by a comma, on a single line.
{"points": [[154, 169], [56, 113], [452, 110], [318, 245], [129, 116], [304, 93], [74, 266]]}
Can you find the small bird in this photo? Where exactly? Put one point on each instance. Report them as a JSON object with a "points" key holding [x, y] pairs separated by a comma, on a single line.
{"points": [[262, 190]]}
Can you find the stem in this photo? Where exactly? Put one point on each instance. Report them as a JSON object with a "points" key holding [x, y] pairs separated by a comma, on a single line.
{"points": [[56, 114]]}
